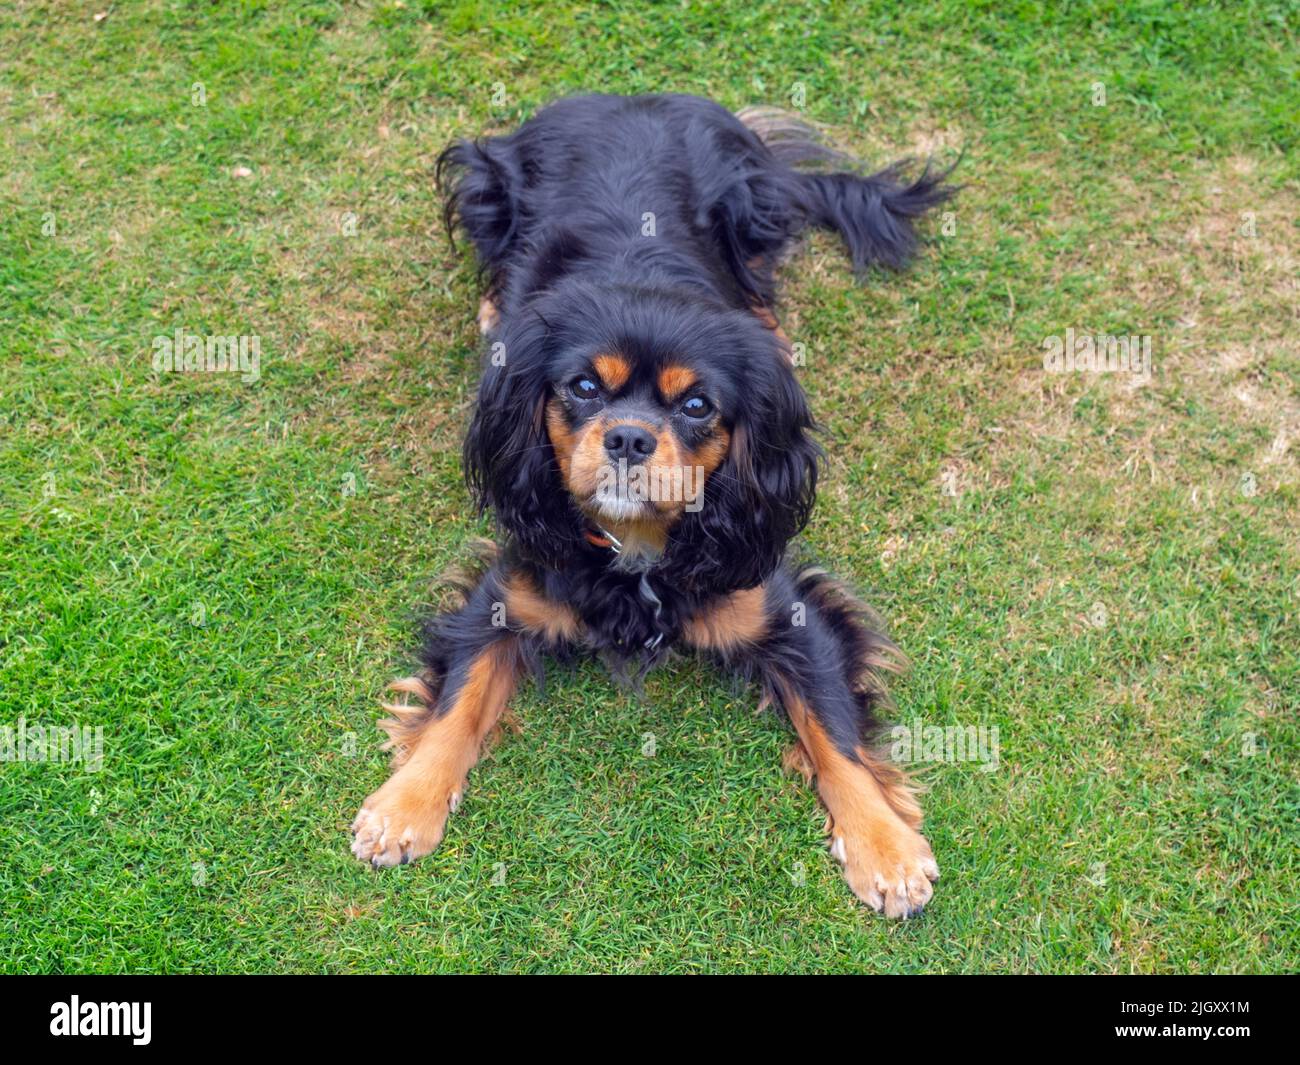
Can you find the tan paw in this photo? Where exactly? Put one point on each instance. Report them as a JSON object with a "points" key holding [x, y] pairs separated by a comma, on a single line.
{"points": [[400, 823], [889, 866]]}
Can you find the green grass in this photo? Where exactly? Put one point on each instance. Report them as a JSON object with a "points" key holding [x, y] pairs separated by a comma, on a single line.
{"points": [[982, 505]]}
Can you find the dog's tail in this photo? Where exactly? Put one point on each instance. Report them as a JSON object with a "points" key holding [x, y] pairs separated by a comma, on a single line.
{"points": [[873, 213]]}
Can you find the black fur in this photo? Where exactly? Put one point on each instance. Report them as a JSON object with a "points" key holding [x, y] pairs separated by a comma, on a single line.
{"points": [[557, 213]]}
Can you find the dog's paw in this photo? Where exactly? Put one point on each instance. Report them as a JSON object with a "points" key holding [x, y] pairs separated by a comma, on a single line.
{"points": [[889, 866], [400, 823]]}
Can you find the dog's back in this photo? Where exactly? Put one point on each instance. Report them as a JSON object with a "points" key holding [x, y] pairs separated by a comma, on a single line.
{"points": [[589, 178]]}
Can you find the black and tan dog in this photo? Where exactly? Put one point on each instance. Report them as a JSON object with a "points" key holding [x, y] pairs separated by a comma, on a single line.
{"points": [[647, 449]]}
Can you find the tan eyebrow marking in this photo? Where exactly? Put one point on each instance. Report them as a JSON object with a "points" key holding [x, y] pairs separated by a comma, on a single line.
{"points": [[613, 371], [675, 380]]}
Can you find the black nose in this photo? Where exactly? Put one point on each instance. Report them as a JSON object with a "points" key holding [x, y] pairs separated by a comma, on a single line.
{"points": [[629, 442]]}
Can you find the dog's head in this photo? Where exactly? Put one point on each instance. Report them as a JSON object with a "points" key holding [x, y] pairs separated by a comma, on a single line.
{"points": [[670, 423]]}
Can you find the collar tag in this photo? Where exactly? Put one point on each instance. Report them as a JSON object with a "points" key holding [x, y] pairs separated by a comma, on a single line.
{"points": [[648, 594]]}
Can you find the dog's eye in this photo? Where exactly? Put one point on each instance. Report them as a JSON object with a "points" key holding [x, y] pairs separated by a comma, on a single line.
{"points": [[697, 407], [584, 388]]}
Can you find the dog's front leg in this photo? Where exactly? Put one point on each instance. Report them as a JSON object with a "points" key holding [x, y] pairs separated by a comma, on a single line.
{"points": [[474, 658], [818, 654], [873, 817], [404, 819]]}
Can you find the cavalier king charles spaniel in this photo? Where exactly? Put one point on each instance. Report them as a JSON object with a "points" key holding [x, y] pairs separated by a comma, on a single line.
{"points": [[642, 437]]}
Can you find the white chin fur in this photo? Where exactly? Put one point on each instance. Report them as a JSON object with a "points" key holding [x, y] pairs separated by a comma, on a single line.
{"points": [[618, 509]]}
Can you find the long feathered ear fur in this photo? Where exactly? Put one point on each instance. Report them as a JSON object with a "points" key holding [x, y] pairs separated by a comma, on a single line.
{"points": [[509, 462], [479, 182], [759, 498]]}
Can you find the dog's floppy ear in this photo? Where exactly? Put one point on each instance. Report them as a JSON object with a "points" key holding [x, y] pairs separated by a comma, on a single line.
{"points": [[480, 181], [509, 462], [760, 497]]}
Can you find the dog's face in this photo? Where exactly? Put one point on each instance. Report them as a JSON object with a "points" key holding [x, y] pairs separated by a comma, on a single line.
{"points": [[636, 438], [677, 421]]}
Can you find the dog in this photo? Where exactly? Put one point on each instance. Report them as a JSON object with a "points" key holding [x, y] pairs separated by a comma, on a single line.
{"points": [[643, 440]]}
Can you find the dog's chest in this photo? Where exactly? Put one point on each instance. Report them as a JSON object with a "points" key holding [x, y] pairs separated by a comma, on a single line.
{"points": [[629, 614]]}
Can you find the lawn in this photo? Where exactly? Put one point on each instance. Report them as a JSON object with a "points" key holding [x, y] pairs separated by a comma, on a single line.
{"points": [[224, 573]]}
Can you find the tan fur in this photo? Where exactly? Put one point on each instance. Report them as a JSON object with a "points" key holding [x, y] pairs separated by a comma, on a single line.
{"points": [[462, 578], [414, 686], [639, 539], [795, 759], [613, 371], [408, 719], [873, 820], [709, 455], [582, 461], [736, 621], [769, 321], [405, 818], [787, 349], [674, 381], [533, 612], [562, 439], [773, 123]]}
